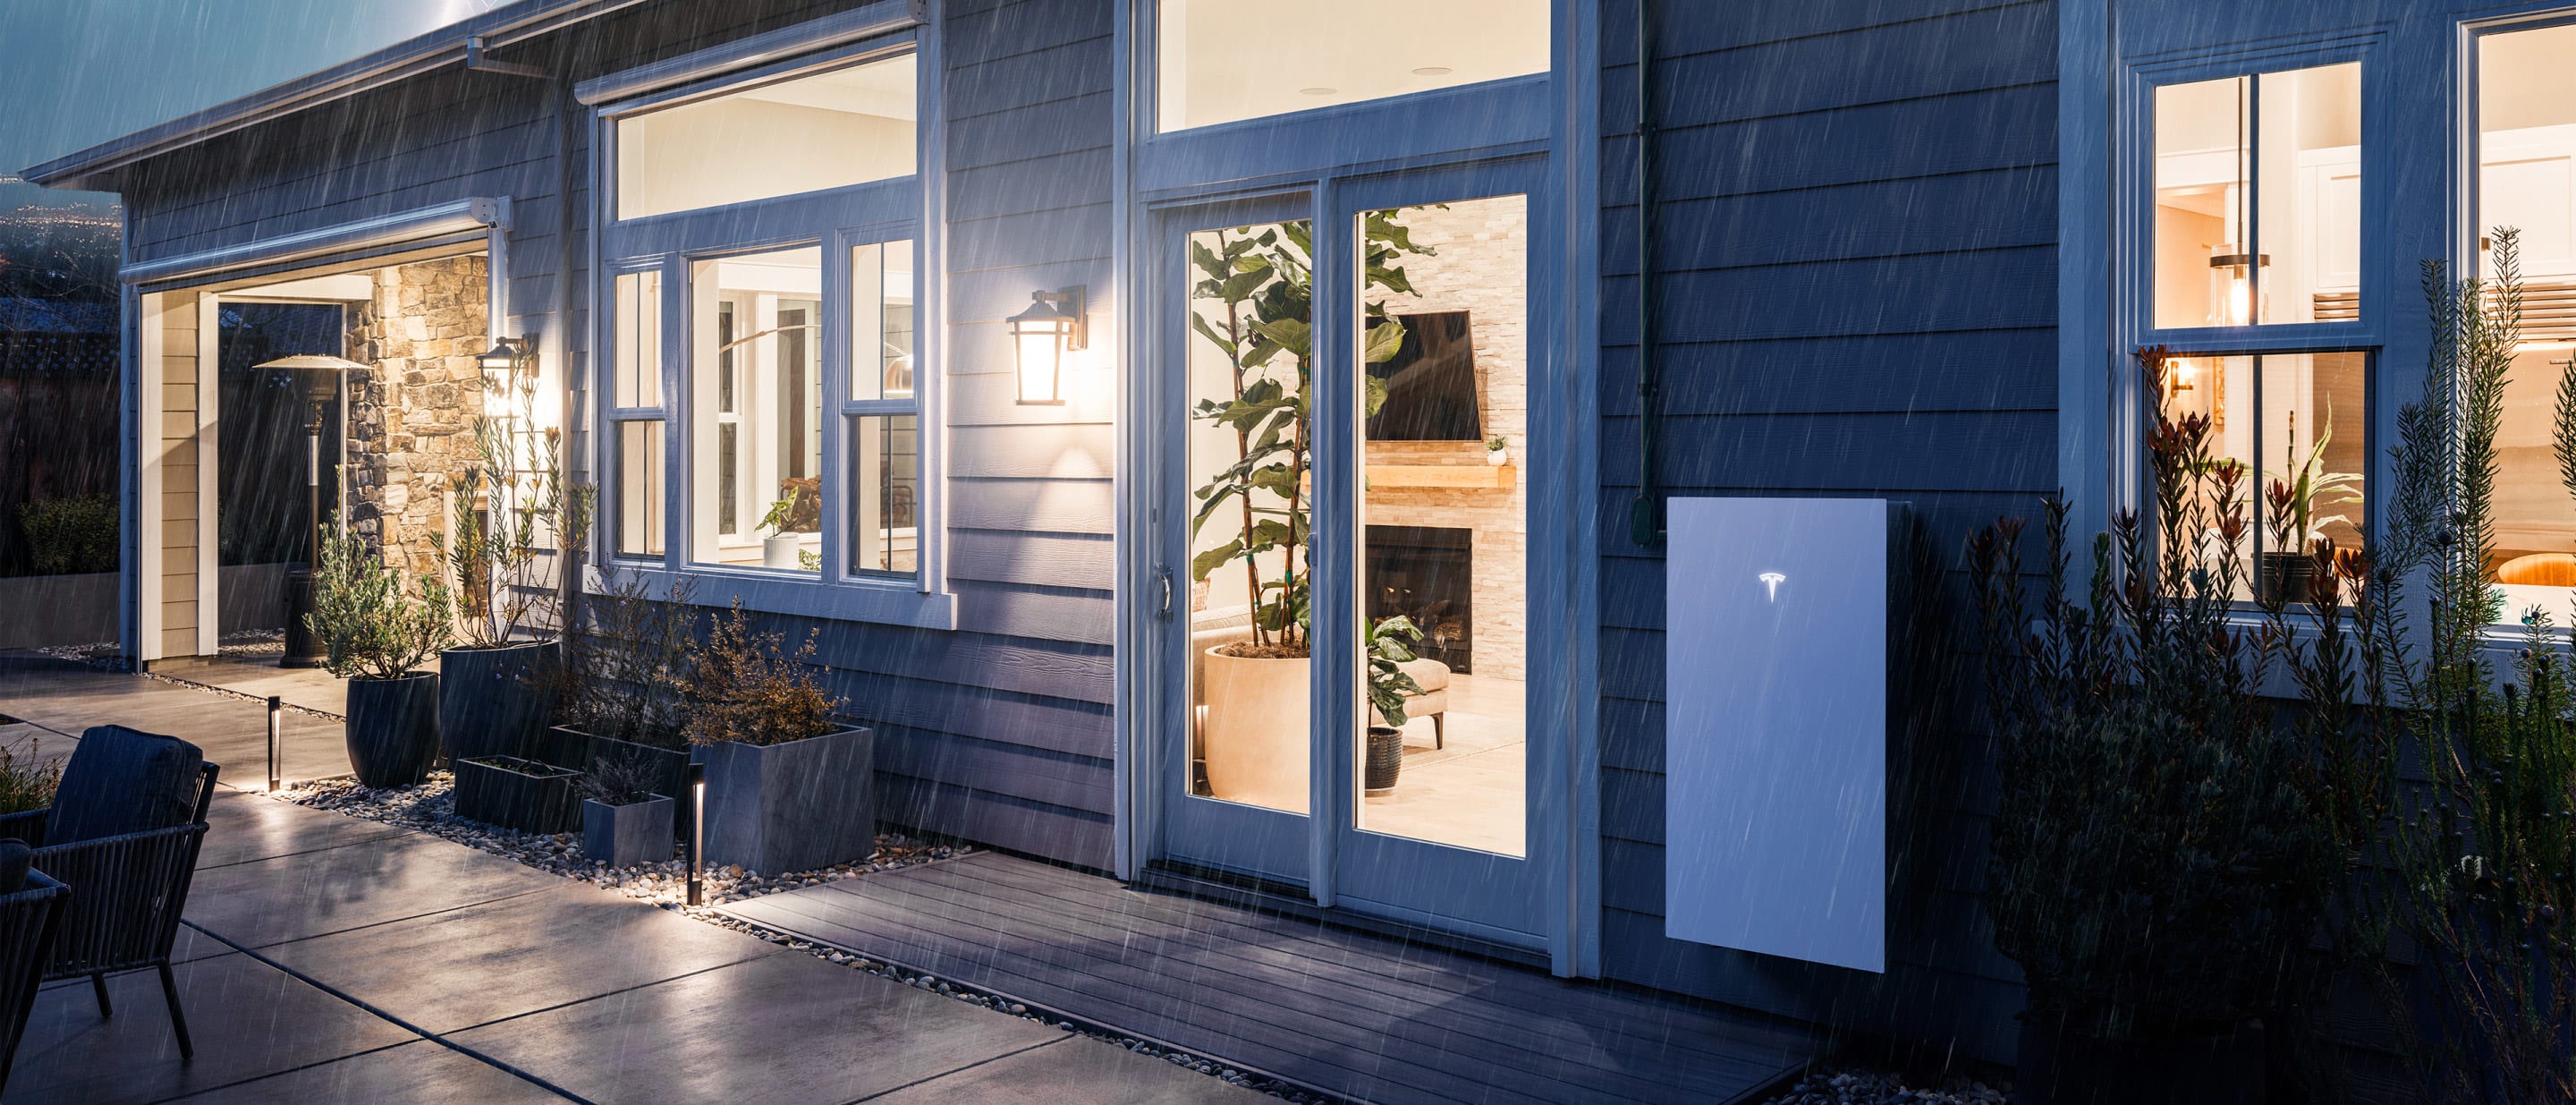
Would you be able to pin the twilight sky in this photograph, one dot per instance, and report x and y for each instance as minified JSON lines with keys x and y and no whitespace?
{"x":74,"y":73}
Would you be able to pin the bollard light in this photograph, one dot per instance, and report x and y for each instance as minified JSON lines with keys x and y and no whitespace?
{"x":697,"y":827}
{"x":276,"y":706}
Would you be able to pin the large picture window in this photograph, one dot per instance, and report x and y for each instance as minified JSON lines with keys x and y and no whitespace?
{"x":2258,"y":199}
{"x":836,"y":128}
{"x":1203,"y":76}
{"x":2527,"y":181}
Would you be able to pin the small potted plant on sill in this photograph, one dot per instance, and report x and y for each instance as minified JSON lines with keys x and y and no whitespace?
{"x":788,"y":788}
{"x":795,"y":514}
{"x":1389,"y":647}
{"x":513,"y":512}
{"x":530,"y":796}
{"x":623,"y":821}
{"x":2295,"y":505}
{"x":376,"y":634}
{"x":1498,"y":451}
{"x":623,"y":681}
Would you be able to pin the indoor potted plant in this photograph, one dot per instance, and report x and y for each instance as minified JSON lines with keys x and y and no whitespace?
{"x":1254,"y":728}
{"x":1497,"y":451}
{"x":795,"y":514}
{"x":1389,"y":647}
{"x":512,"y":511}
{"x":2297,"y":497}
{"x":623,"y":821}
{"x":531,"y":796}
{"x":787,"y":787}
{"x":376,"y":634}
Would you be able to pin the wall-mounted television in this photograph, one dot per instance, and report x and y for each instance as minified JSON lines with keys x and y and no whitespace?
{"x":1431,"y":383}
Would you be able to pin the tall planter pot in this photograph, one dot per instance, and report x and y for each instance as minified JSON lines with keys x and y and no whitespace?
{"x":1254,"y":736}
{"x":497,"y":701}
{"x":774,"y":808}
{"x":392,"y":729}
{"x":2060,"y":1066}
{"x":667,"y":769}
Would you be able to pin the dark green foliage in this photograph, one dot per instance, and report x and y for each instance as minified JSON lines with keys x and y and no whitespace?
{"x":67,"y":536}
{"x":27,"y":781}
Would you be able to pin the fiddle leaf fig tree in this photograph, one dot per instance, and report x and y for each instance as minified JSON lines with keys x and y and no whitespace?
{"x":1254,"y":302}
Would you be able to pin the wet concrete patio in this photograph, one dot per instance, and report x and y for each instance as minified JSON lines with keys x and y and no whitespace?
{"x":327,"y":958}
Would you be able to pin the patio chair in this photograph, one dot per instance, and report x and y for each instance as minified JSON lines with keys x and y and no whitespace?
{"x":31,"y":908}
{"x":123,"y":834}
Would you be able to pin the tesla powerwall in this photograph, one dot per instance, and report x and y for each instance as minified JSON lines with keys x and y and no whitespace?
{"x":1775,"y":726}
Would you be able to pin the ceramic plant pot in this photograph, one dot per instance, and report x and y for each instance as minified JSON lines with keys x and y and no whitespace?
{"x":666,"y":770}
{"x":1254,"y":735}
{"x":624,"y":836}
{"x":496,"y":701}
{"x":1384,"y":761}
{"x":780,"y":551}
{"x":392,"y":729}
{"x":797,"y":806}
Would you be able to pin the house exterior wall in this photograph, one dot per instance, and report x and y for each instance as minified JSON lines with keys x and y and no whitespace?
{"x":1855,"y":273}
{"x":411,"y":421}
{"x":177,"y":442}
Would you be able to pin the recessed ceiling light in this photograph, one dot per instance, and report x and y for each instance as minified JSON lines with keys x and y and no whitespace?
{"x":1319,"y":90}
{"x":1432,"y":71}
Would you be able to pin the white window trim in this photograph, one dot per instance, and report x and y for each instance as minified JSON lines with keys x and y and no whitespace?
{"x":664,"y":241}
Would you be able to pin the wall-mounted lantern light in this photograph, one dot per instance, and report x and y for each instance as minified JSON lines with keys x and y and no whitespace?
{"x":1051,"y":327}
{"x":505,"y":353}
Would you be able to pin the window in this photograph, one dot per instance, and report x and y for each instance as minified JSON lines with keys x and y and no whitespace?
{"x":1221,"y":61}
{"x":2258,"y":199}
{"x":2298,"y":420}
{"x":833,"y":129}
{"x":766,"y":233}
{"x":2527,"y":181}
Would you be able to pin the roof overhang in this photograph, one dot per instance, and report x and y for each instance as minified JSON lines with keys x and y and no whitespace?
{"x":456,"y":221}
{"x":502,"y":26}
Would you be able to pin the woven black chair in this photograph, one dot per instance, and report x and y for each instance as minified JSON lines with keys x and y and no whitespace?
{"x":123,"y":834}
{"x":31,"y":909}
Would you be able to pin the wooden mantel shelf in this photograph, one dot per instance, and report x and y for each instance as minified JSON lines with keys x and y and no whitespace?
{"x":1496,"y":477}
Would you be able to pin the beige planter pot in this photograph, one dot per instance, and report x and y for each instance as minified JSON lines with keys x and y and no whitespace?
{"x":1255,"y":734}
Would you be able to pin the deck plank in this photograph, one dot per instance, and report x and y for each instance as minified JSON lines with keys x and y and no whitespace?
{"x":1362,"y":1016}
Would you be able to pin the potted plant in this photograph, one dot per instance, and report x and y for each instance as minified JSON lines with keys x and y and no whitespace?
{"x":788,"y":788}
{"x":1497,"y":451}
{"x":376,"y":634}
{"x":1255,"y":727}
{"x":531,"y":796}
{"x":623,"y":678}
{"x":623,"y":821}
{"x":2297,"y":498}
{"x":779,"y":548}
{"x":513,"y":511}
{"x":1389,"y":647}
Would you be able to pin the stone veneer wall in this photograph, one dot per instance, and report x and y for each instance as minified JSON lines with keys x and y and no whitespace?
{"x":412,"y":424}
{"x":1482,"y":269}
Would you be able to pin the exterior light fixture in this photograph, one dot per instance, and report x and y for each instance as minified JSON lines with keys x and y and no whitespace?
{"x":697,"y":828}
{"x":276,"y":748}
{"x":1050,"y":327}
{"x":505,"y":353}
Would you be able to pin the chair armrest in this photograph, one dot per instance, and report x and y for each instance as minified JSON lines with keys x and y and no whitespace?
{"x":127,"y":894}
{"x":28,"y":825}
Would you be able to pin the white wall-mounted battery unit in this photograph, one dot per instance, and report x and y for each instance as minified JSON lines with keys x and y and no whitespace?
{"x":1776,"y":627}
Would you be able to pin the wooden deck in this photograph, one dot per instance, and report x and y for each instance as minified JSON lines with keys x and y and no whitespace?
{"x":1359,"y":1016}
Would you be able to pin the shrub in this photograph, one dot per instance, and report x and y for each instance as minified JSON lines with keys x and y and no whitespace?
{"x":26,"y":781}
{"x":749,"y":688}
{"x":67,"y":536}
{"x":625,"y":670}
{"x":370,"y":625}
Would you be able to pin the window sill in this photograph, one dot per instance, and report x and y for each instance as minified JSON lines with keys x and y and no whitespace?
{"x":881,"y":601}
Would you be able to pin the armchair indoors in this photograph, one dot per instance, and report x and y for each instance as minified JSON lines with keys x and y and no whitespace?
{"x":123,"y":834}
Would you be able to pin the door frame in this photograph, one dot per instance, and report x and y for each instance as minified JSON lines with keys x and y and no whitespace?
{"x":1558,"y":115}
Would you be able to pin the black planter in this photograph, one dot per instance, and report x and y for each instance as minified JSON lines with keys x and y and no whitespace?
{"x":775,"y":808}
{"x":1385,"y":759}
{"x":2289,"y":576}
{"x":392,"y":730}
{"x":665,"y":769}
{"x":513,"y":793}
{"x":497,"y":701}
{"x":623,"y":836}
{"x":2063,"y":1067}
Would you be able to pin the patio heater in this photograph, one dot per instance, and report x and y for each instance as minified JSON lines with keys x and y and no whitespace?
{"x":322,"y":379}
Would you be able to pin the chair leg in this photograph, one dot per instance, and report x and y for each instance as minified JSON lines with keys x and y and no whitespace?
{"x":98,"y":985}
{"x":178,"y":1020}
{"x":1439,"y":732}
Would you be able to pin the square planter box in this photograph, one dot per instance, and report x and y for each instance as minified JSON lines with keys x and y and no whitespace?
{"x":666,"y":770}
{"x":776,"y":808}
{"x":512,"y":793}
{"x":627,"y":835}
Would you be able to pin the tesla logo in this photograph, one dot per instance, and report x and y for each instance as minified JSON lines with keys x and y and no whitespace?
{"x":1773,"y":581}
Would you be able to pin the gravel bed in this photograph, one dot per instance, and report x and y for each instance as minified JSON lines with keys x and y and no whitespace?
{"x":1850,"y":1086}
{"x":431,"y":808}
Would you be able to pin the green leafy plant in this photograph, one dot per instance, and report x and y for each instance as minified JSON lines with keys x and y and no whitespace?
{"x":513,"y":512}
{"x":1264,"y":282}
{"x":779,"y":513}
{"x":1496,"y":444}
{"x":1389,"y":643}
{"x":370,"y":625}
{"x":70,"y":535}
{"x":749,"y":688}
{"x":2303,"y":489}
{"x":27,"y":779}
{"x":626,"y":672}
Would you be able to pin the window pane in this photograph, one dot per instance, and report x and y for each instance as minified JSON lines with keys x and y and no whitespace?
{"x":637,"y":339}
{"x":2293,"y":139}
{"x":2298,"y":421}
{"x":885,"y":534}
{"x":844,"y":127}
{"x":2527,"y":181}
{"x":1445,"y":522}
{"x":1224,"y":60}
{"x":763,"y":451}
{"x":881,"y":326}
{"x":639,"y":484}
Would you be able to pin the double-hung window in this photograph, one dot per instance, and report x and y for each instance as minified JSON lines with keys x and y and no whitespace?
{"x":2253,"y":221}
{"x":766,"y":327}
